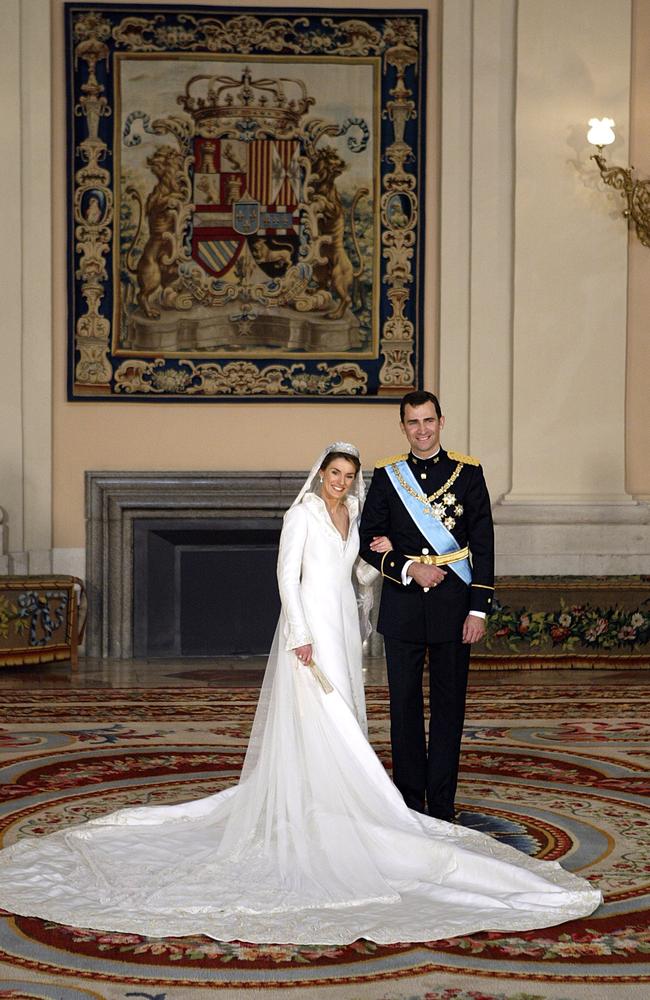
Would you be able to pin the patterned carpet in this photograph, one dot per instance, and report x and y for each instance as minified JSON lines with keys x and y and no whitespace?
{"x":558,"y":771}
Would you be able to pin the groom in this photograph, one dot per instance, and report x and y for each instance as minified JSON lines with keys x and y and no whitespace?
{"x":435,"y":508}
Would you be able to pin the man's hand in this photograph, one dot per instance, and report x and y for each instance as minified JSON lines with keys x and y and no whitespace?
{"x":426,"y":576}
{"x":473,"y":629}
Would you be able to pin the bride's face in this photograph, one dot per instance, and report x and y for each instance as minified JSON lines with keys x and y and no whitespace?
{"x":337,"y":479}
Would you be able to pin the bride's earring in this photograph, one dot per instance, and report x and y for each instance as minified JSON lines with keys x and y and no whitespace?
{"x":321,"y":480}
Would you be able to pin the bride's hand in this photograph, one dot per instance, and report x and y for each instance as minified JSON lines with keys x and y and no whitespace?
{"x":304,"y":653}
{"x":381,"y":543}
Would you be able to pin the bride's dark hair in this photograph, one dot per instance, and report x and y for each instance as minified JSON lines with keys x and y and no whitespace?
{"x":332,"y":455}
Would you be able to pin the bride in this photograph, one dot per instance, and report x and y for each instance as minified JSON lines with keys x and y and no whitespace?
{"x":315,"y":845}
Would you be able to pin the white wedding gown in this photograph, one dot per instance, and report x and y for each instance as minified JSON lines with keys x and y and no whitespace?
{"x":315,"y":844}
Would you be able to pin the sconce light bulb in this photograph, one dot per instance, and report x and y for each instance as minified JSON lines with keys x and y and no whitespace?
{"x":601,"y":131}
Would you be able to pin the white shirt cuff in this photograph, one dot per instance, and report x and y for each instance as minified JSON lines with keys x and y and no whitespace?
{"x":478,"y":614}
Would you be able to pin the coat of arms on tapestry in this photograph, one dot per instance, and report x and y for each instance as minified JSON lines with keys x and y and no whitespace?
{"x":245,"y":216}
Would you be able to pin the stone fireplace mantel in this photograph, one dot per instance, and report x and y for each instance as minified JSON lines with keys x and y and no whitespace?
{"x":115,"y":500}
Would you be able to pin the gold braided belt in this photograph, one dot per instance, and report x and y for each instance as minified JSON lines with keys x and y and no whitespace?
{"x":444,"y":560}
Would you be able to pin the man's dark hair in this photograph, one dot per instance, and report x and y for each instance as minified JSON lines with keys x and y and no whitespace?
{"x":418,"y":398}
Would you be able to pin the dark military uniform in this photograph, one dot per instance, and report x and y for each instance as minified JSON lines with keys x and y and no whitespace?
{"x":414,"y":620}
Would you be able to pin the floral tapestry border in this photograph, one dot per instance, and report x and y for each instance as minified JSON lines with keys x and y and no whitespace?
{"x":245,"y":203}
{"x":562,"y":619}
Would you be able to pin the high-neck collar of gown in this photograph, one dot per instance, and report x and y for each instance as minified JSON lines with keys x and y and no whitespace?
{"x":351,"y":502}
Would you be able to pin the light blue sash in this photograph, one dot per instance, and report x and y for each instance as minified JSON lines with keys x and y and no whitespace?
{"x":421,"y":512}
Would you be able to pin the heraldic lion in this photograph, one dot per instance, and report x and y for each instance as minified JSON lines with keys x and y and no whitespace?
{"x":336,"y":272}
{"x":156,"y":270}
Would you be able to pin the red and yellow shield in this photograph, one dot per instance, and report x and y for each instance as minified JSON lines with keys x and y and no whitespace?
{"x":246,"y":191}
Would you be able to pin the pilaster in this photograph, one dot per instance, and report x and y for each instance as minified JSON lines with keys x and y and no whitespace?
{"x":25,"y":286}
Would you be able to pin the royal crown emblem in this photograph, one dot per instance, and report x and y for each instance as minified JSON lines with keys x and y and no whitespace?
{"x":221,"y":103}
{"x":247,"y":177}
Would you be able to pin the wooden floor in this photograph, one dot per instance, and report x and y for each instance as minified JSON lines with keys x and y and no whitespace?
{"x":248,"y":672}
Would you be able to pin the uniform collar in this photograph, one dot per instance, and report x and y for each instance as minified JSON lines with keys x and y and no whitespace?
{"x":425,"y":463}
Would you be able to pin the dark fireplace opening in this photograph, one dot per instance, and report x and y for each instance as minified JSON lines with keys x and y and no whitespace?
{"x":204,"y":587}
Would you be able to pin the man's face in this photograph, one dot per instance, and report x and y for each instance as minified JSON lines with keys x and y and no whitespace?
{"x":422,"y":427}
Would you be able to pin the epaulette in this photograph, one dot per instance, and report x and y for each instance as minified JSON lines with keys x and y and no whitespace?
{"x":456,"y":456}
{"x":389,"y":461}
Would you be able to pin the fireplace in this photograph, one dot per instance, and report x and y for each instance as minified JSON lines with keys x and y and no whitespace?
{"x":160,"y":549}
{"x":204,"y":587}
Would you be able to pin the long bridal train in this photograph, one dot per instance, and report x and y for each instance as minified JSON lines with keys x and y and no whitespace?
{"x":315,"y":844}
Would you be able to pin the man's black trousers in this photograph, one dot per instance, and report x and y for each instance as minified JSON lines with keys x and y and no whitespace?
{"x":418,"y":771}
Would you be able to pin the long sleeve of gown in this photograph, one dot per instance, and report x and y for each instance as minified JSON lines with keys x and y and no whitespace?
{"x":292,"y":544}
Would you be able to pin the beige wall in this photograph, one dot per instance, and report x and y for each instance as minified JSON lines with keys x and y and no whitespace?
{"x":570,"y":276}
{"x":532,"y":253}
{"x":638,"y":348}
{"x":209,"y":435}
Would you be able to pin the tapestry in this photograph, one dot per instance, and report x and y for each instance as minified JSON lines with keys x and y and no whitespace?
{"x":245,"y":202}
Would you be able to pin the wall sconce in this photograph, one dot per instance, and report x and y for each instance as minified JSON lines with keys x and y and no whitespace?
{"x":636,"y":193}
